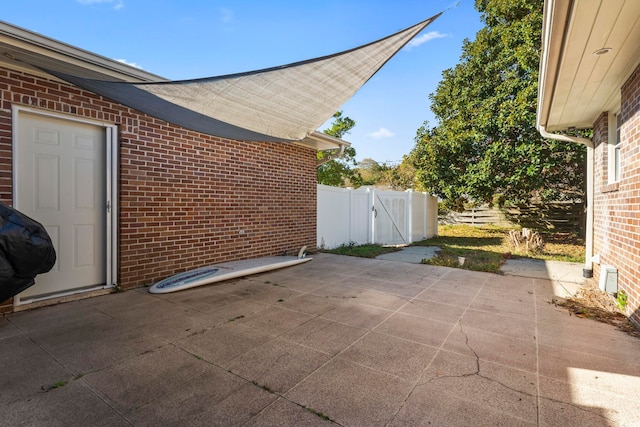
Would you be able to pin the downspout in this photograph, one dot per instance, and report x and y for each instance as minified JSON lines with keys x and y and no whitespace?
{"x":325,"y":140}
{"x":587,"y":271}
{"x":327,"y":159}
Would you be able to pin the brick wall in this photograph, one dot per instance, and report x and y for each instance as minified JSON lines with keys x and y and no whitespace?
{"x":184,"y":196}
{"x":617,"y":205}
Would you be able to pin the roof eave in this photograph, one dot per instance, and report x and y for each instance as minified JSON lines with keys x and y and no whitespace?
{"x":556,"y":13}
{"x":42,"y":47}
{"x":321,"y":141}
{"x":590,"y":48}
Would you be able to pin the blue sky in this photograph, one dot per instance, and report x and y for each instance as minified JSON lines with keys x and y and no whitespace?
{"x":182,"y":39}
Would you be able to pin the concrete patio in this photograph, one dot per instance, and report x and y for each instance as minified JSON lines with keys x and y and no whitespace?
{"x":338,"y":340}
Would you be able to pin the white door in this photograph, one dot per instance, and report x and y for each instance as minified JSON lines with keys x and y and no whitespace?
{"x":60,"y":177}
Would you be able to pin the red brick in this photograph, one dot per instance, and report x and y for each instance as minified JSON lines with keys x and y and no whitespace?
{"x":616,"y":229}
{"x":184,"y":196}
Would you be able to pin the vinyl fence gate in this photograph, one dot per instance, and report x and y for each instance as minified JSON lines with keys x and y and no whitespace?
{"x":367,"y":215}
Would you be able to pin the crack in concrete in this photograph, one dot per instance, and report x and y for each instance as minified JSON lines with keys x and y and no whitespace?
{"x":477,"y":373}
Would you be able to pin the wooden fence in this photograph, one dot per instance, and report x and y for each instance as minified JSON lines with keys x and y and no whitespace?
{"x":555,"y":216}
{"x":563,"y":217}
{"x":476,"y":216}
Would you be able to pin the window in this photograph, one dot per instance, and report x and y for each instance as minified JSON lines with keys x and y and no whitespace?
{"x":615,"y":143}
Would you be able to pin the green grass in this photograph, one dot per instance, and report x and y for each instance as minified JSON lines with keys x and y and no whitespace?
{"x":363,"y":251}
{"x":485,"y":248}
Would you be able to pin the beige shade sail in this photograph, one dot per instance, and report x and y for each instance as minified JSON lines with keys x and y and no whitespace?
{"x":285,"y":103}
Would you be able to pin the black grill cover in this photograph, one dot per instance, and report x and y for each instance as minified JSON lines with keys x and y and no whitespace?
{"x":25,"y":251}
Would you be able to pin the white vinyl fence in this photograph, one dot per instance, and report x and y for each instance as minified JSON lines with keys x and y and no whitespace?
{"x":368,"y":215}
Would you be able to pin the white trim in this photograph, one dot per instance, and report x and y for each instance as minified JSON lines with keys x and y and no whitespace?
{"x":589,"y":194}
{"x":589,"y":220}
{"x":111,"y":193}
{"x":320,"y":141}
{"x":45,"y":49}
{"x":112,"y":203}
{"x":62,"y":116}
{"x":613,"y":144}
{"x":17,"y":301}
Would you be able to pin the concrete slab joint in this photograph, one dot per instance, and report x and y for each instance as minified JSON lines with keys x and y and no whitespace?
{"x":339,"y":340}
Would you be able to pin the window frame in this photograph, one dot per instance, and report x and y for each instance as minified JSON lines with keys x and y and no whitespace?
{"x":614,"y":167}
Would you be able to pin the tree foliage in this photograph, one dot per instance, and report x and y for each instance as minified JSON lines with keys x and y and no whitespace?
{"x":339,"y":172}
{"x":402,"y":176}
{"x":398,"y":177}
{"x":485,"y":147}
{"x":370,"y":171}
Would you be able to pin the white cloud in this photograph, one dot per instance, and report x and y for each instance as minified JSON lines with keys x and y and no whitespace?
{"x":117,"y":4}
{"x":381,"y":133}
{"x":425,"y":38}
{"x":132,"y":64}
{"x":227,"y":15}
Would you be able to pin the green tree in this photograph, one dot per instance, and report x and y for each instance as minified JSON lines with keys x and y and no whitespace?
{"x":400,"y":177}
{"x":485,"y":147}
{"x":370,"y":171}
{"x":339,"y":172}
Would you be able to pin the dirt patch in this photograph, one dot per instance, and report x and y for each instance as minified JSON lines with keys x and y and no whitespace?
{"x":592,"y":303}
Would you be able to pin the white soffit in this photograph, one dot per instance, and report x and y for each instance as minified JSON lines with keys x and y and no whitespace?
{"x":321,"y":141}
{"x":576,"y":84}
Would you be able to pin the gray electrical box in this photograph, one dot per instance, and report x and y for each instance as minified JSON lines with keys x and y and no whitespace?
{"x":608,"y":279}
